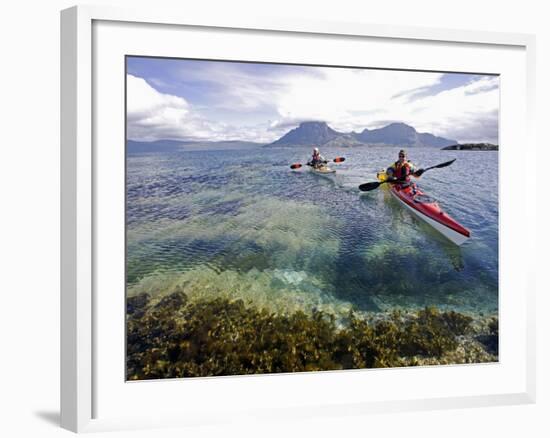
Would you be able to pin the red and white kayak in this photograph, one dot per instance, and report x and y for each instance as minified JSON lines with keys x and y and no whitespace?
{"x":430,"y":212}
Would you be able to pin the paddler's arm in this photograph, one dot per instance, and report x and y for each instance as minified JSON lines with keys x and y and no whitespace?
{"x":390,"y":175}
{"x":415,"y":172}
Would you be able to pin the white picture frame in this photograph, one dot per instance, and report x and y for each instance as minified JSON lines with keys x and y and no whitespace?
{"x":83,"y":369}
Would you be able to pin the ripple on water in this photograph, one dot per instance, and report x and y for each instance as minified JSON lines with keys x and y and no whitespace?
{"x":208,"y":218}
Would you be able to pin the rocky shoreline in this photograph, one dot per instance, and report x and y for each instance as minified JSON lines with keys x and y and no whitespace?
{"x":172,"y":336}
{"x":472,"y":147}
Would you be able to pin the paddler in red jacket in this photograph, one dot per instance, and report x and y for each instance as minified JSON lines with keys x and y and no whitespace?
{"x":317,"y":160}
{"x":401,"y":170}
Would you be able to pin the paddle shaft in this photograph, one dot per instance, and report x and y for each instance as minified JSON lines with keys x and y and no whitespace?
{"x":438,"y":166}
{"x":335,"y":160}
{"x":367,"y":187}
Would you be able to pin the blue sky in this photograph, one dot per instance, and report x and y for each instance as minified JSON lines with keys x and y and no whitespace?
{"x":213,"y":100}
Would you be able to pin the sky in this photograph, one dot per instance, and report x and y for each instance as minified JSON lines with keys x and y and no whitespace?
{"x":213,"y":100}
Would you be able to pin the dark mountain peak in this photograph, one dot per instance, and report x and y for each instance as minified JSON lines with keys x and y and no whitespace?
{"x":403,"y":124}
{"x":313,"y":123}
{"x":428,"y":139}
{"x":396,"y":134}
{"x":308,"y":133}
{"x":316,"y":128}
{"x":399,"y":127}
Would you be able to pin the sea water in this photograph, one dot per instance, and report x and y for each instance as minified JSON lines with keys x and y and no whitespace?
{"x":241,"y":224}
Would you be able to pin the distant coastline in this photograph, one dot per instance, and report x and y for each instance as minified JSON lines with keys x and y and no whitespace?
{"x":471,"y":147}
{"x":133,"y":146}
{"x":308,"y":134}
{"x":178,"y":146}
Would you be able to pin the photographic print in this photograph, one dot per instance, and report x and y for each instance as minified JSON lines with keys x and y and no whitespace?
{"x":290,"y":218}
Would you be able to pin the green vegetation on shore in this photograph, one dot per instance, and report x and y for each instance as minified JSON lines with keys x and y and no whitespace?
{"x":173,"y":337}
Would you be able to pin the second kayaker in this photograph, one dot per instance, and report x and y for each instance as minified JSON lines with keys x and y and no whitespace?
{"x":401,"y":170}
{"x":317,"y":160}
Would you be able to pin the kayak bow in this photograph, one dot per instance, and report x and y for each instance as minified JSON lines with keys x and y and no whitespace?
{"x":323,"y":170}
{"x":429,"y":211}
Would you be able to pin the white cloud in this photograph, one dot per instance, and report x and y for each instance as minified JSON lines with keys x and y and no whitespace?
{"x":144,"y":103}
{"x":347,"y":99}
{"x":355,"y":99}
{"x":239,"y":89}
{"x":152,"y":115}
{"x":459,"y":113}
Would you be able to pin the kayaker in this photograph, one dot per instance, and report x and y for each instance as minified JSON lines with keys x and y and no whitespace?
{"x":401,"y":170}
{"x":317,"y":160}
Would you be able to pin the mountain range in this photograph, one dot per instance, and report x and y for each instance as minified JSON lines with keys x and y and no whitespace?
{"x":394,"y":134}
{"x":307,"y":134}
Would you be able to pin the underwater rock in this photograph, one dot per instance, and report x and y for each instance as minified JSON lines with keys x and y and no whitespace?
{"x":490,"y":339}
{"x":490,"y":342}
{"x":137,"y":303}
{"x":173,"y":301}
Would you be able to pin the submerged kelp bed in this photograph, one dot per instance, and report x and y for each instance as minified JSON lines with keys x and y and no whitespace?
{"x":172,"y":336}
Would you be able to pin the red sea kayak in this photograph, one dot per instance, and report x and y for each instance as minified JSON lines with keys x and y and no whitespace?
{"x":430,"y":212}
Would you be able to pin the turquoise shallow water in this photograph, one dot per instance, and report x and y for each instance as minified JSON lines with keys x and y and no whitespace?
{"x":242,"y":224}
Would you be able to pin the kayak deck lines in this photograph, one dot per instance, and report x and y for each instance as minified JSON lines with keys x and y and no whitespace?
{"x":430,"y":212}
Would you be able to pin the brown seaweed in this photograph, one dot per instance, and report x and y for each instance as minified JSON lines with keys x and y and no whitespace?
{"x":174,"y":337}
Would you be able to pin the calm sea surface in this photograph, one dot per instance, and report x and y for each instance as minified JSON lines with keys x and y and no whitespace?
{"x":242,"y":224}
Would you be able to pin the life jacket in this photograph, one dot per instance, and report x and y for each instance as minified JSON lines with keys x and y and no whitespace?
{"x":402,"y":170}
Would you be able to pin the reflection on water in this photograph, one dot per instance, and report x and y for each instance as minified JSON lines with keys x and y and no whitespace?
{"x":242,"y":224}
